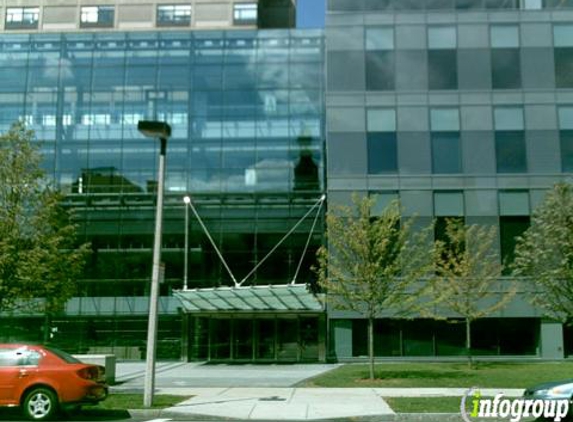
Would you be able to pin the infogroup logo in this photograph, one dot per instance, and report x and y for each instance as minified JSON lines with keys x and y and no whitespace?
{"x":474,"y":406}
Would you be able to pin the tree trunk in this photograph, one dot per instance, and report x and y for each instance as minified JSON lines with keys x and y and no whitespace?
{"x":46,"y":330}
{"x":469,"y":343}
{"x":371,"y":345}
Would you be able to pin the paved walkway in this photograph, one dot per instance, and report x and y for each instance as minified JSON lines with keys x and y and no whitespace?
{"x":266,"y":392}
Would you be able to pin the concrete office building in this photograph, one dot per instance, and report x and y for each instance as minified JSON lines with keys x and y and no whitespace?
{"x":458,"y":108}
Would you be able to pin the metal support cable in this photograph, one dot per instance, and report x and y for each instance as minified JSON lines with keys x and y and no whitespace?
{"x":213,"y":243}
{"x":307,"y":243}
{"x":319,"y":202}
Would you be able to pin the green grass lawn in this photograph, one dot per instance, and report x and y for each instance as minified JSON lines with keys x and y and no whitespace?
{"x":485,"y":375}
{"x":117,"y":401}
{"x":424,"y":404}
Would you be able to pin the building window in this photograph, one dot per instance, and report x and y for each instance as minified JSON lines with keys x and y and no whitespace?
{"x":446,"y":149}
{"x":510,"y":152}
{"x":22,"y":17}
{"x":566,"y":138}
{"x":505,"y":57}
{"x":245,"y":14}
{"x":442,"y":58}
{"x":381,"y":141}
{"x":380,"y":60}
{"x":173,"y":15}
{"x":563,"y":55}
{"x":96,"y":16}
{"x":510,"y":227}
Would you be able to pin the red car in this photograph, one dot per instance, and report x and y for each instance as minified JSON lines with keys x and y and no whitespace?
{"x":43,"y":380}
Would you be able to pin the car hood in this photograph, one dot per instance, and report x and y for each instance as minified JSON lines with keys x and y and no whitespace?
{"x":551,"y":384}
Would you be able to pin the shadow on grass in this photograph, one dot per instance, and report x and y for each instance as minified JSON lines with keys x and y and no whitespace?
{"x":386,"y":375}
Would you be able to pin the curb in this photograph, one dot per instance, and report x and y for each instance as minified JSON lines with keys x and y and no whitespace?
{"x":162,"y":413}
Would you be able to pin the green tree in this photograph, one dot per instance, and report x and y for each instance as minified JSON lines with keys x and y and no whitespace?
{"x":40,"y":260}
{"x":467,"y":276}
{"x":545,"y":253}
{"x":372,"y":265}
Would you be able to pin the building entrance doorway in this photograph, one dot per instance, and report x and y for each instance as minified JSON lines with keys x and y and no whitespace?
{"x":256,"y":338}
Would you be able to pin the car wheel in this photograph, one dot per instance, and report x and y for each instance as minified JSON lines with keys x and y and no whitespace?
{"x":40,"y":404}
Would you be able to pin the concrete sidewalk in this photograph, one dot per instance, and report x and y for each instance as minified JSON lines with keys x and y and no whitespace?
{"x":267,"y":392}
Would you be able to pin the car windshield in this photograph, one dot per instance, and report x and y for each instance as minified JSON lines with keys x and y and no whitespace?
{"x":66,"y":357}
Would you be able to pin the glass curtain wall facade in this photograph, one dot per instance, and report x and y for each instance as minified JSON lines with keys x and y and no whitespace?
{"x":458,"y":109}
{"x":247,"y":113}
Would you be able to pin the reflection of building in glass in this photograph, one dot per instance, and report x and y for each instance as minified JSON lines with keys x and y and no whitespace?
{"x":103,"y":180}
{"x":236,"y":101}
{"x":306,"y":170}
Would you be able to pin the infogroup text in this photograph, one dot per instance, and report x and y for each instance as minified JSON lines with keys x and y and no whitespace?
{"x":513,"y":409}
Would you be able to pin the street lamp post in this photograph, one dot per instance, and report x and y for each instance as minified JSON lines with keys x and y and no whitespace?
{"x":186,"y":200}
{"x":161,"y":131}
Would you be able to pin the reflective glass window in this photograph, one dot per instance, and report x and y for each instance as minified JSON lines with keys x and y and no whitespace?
{"x":563,"y":35}
{"x":508,"y":118}
{"x":566,"y":141}
{"x":380,"y":70}
{"x":382,"y":152}
{"x":557,"y":4}
{"x":504,"y":36}
{"x":245,"y":13}
{"x":445,"y":138}
{"x":96,"y":16}
{"x":442,"y":57}
{"x":379,"y":38}
{"x":22,"y":17}
{"x":468,"y":4}
{"x":381,"y":141}
{"x":442,"y":37}
{"x":510,"y":151}
{"x":442,"y":69}
{"x":381,"y":120}
{"x":446,"y":153}
{"x":505,"y":68}
{"x":563,"y":64}
{"x":173,"y":15}
{"x":345,"y":5}
{"x":505,"y":57}
{"x":510,"y":228}
{"x":445,"y":119}
{"x":566,"y":117}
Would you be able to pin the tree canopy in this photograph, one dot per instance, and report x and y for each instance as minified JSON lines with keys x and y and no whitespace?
{"x":467,"y":275}
{"x":544,"y":253}
{"x":40,"y":259}
{"x":372,"y":263}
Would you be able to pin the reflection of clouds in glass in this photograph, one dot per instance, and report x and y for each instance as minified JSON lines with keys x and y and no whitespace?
{"x":265,"y":175}
{"x":55,"y":68}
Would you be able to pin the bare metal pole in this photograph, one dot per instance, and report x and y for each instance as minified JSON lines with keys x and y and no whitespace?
{"x":149,"y":386}
{"x":186,"y":199}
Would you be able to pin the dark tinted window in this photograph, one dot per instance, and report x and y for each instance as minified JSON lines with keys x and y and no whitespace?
{"x":563,"y":66}
{"x":442,"y":69}
{"x":505,"y":72}
{"x":446,"y":152}
{"x":380,"y":70}
{"x":510,"y":227}
{"x":566,"y":137}
{"x":382,"y":153}
{"x":510,"y":151}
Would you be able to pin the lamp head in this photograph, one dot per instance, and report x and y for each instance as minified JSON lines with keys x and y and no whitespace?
{"x":154,"y":129}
